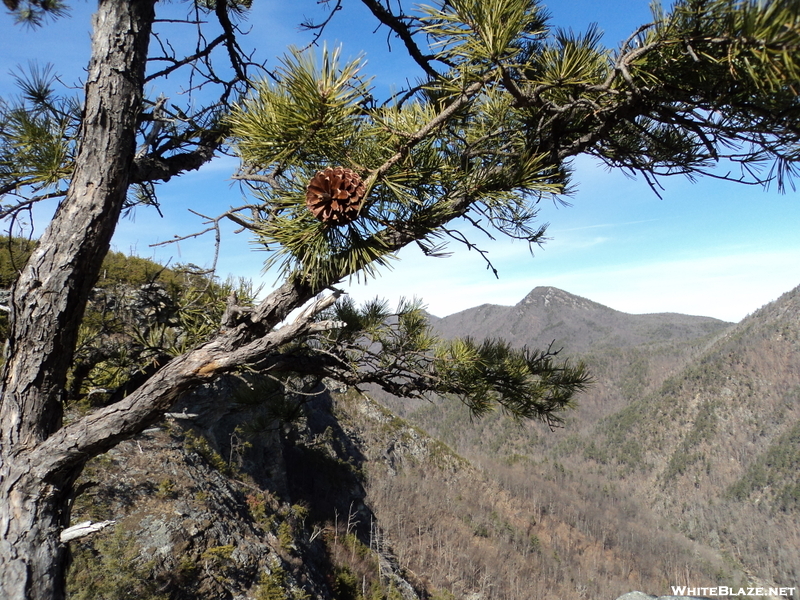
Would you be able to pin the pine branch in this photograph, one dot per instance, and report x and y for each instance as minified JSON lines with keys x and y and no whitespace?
{"x":187,"y":60}
{"x":103,"y":429}
{"x":231,"y":43}
{"x":320,"y":27}
{"x":152,"y":167}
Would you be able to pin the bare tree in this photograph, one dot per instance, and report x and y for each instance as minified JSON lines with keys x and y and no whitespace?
{"x":505,"y":102}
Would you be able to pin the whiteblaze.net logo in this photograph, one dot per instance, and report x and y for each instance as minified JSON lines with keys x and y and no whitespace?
{"x":723,"y":590}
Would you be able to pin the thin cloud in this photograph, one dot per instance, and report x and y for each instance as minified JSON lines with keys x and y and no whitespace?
{"x":603,"y":225}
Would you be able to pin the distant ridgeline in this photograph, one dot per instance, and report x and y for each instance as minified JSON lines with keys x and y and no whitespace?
{"x":118,"y":268}
{"x":139,"y":315}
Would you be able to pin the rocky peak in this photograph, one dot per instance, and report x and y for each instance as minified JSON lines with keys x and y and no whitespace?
{"x":551,"y":297}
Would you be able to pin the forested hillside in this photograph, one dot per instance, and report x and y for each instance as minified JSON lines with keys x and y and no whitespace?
{"x":140,"y":314}
{"x":718,"y":443}
{"x":696,"y":422}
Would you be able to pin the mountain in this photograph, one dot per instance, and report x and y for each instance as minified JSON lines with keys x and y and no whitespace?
{"x":628,"y":355}
{"x":548,"y":314}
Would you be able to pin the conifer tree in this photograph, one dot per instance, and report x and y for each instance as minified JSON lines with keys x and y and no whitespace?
{"x":341,"y":182}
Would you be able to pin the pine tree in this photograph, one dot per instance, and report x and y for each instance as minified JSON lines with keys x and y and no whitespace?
{"x":505,"y":102}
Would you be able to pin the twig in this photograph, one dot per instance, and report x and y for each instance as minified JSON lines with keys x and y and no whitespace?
{"x":320,"y":27}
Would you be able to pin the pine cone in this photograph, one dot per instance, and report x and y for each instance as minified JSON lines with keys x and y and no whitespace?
{"x":334,"y":195}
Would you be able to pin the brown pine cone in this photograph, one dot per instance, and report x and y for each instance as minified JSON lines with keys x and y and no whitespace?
{"x":334,"y":195}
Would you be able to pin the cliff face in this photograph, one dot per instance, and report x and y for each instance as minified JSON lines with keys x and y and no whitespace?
{"x":213,"y":504}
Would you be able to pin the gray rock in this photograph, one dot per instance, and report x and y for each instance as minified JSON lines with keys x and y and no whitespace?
{"x":209,"y":519}
{"x":636,"y":596}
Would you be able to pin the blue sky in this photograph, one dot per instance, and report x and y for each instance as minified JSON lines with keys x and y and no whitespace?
{"x":709,"y":248}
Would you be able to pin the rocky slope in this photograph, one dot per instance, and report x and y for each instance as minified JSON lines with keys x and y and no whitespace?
{"x":217,"y":502}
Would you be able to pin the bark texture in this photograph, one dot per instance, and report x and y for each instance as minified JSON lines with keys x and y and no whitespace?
{"x":48,"y":301}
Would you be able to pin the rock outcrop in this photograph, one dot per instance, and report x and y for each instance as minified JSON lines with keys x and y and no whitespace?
{"x":219,"y":502}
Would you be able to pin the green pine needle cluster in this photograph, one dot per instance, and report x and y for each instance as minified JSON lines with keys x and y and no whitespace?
{"x":526,"y":384}
{"x":482,"y":31}
{"x":38,"y":133}
{"x":307,"y":118}
{"x":415,"y":156}
{"x":34,"y":12}
{"x":757,"y":40}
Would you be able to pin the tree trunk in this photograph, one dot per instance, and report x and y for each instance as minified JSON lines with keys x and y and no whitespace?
{"x":33,"y":513}
{"x":50,"y":296}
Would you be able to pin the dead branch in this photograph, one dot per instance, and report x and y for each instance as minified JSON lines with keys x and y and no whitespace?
{"x":82,"y":530}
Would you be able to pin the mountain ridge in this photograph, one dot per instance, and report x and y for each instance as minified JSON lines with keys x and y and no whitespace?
{"x":548,"y":314}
